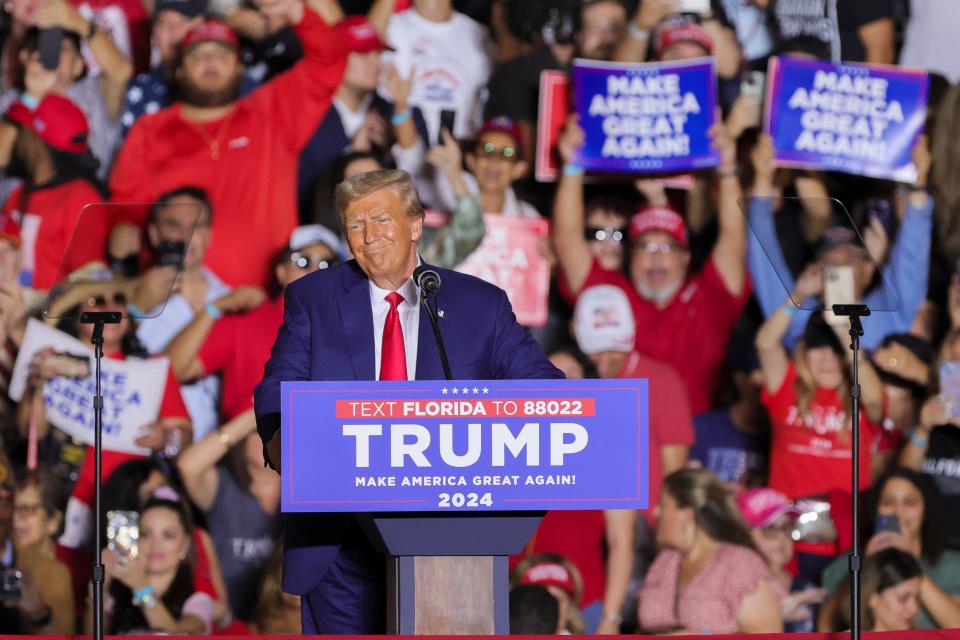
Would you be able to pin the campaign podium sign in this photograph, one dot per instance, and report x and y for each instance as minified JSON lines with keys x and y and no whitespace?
{"x":451,"y":477}
{"x":651,"y":117}
{"x":468,"y":446}
{"x":856,"y":118}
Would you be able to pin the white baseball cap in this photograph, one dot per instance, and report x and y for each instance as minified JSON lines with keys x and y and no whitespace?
{"x":603,"y":320}
{"x":309,"y":234}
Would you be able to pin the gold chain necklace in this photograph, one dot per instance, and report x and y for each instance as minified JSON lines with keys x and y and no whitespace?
{"x":214,"y":141}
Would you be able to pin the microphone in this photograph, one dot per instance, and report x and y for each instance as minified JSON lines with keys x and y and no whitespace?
{"x":427,"y":279}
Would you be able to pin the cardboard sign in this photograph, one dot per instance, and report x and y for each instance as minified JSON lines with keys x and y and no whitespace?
{"x":856,"y":118}
{"x":132,"y":390}
{"x":495,"y":445}
{"x":646,"y":118}
{"x":510,"y":258}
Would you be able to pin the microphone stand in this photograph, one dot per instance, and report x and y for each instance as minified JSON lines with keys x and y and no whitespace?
{"x":855,"y":312}
{"x":98,"y":319}
{"x":436,"y":333}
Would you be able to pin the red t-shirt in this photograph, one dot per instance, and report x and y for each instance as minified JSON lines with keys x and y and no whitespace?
{"x":238,"y":347}
{"x":810,"y":454}
{"x":670,"y":418}
{"x":691,"y":333}
{"x":49,"y":228}
{"x":252,"y":184}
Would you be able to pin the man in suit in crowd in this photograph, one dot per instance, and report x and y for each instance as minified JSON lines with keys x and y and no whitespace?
{"x":363,"y":321}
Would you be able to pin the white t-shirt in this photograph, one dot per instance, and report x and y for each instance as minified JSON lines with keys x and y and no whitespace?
{"x":451,"y":63}
{"x":930,"y":41}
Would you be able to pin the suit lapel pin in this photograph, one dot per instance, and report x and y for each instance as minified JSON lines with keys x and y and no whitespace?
{"x":439,"y":313}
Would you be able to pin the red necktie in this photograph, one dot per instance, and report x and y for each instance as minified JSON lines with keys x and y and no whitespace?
{"x":393,"y":357}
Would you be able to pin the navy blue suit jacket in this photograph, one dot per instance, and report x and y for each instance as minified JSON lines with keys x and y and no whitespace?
{"x":327,"y":334}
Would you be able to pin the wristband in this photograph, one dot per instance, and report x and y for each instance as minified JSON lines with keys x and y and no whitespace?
{"x":212,"y":311}
{"x":29,"y":101}
{"x":134,"y":311}
{"x":790,"y":310}
{"x":637,"y":33}
{"x":728,"y":173}
{"x":919,"y":441}
{"x":145,"y":597}
{"x":572,"y":170}
{"x":224,"y":438}
{"x":611,"y":616}
{"x":400,"y":117}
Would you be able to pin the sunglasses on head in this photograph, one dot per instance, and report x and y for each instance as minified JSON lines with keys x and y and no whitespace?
{"x":303,"y":261}
{"x":489,"y":150}
{"x":117,"y":299}
{"x":604,"y":234}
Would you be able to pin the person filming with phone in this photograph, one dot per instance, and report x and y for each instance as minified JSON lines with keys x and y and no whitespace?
{"x":153,"y":589}
{"x":903,"y":508}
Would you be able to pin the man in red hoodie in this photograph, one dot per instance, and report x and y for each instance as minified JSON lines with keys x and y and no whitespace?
{"x":243,"y":152}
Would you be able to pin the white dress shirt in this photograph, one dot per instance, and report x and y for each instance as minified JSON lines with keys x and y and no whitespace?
{"x":409,"y":311}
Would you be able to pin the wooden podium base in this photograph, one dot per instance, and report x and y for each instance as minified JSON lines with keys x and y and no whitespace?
{"x":448,"y":595}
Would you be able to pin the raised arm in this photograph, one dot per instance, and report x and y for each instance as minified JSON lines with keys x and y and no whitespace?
{"x":573,"y":250}
{"x":635,"y":42}
{"x":730,"y":252}
{"x":116,"y":69}
{"x":774,"y":360}
{"x":197,"y":463}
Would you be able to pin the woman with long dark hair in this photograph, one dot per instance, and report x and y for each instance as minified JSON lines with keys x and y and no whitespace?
{"x":902,"y":512}
{"x":709,"y":576}
{"x":154,"y":589}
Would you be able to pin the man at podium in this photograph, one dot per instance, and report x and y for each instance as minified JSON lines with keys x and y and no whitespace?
{"x":363,"y":320}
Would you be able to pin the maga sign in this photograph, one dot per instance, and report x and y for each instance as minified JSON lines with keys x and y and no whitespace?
{"x":855,"y":118}
{"x":469,"y":445}
{"x":646,"y":117}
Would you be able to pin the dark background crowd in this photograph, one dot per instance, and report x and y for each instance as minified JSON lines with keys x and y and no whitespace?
{"x":210,"y":135}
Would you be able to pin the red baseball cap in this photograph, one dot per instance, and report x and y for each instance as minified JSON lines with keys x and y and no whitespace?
{"x":550,"y":574}
{"x":359,"y":35}
{"x":211,"y":31}
{"x":688,"y":32}
{"x":507,"y":126}
{"x":662,"y":219}
{"x":56,"y":120}
{"x":10,"y":231}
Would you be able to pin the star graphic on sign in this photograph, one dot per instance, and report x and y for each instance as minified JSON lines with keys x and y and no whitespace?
{"x":456,"y":391}
{"x":476,"y":391}
{"x":486,"y":390}
{"x":444,"y":391}
{"x":466,"y":391}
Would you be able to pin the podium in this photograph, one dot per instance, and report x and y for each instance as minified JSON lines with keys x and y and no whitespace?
{"x":449,"y":487}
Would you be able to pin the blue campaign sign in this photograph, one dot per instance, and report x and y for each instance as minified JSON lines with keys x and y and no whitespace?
{"x":646,"y":117}
{"x":475,"y":445}
{"x":855,"y":118}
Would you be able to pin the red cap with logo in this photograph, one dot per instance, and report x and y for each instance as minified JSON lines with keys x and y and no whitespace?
{"x":210,"y":31}
{"x":359,"y":35}
{"x":56,"y":120}
{"x":662,"y":219}
{"x":671,"y":34}
{"x":550,"y":574}
{"x":507,"y":126}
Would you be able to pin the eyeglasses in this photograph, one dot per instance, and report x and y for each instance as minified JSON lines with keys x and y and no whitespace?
{"x":657,"y":247}
{"x":27,"y":509}
{"x":303,"y":261}
{"x":488,"y":149}
{"x":118,"y":299}
{"x":604,"y":234}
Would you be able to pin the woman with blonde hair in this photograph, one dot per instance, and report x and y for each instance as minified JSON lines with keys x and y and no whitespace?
{"x":708,"y":576}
